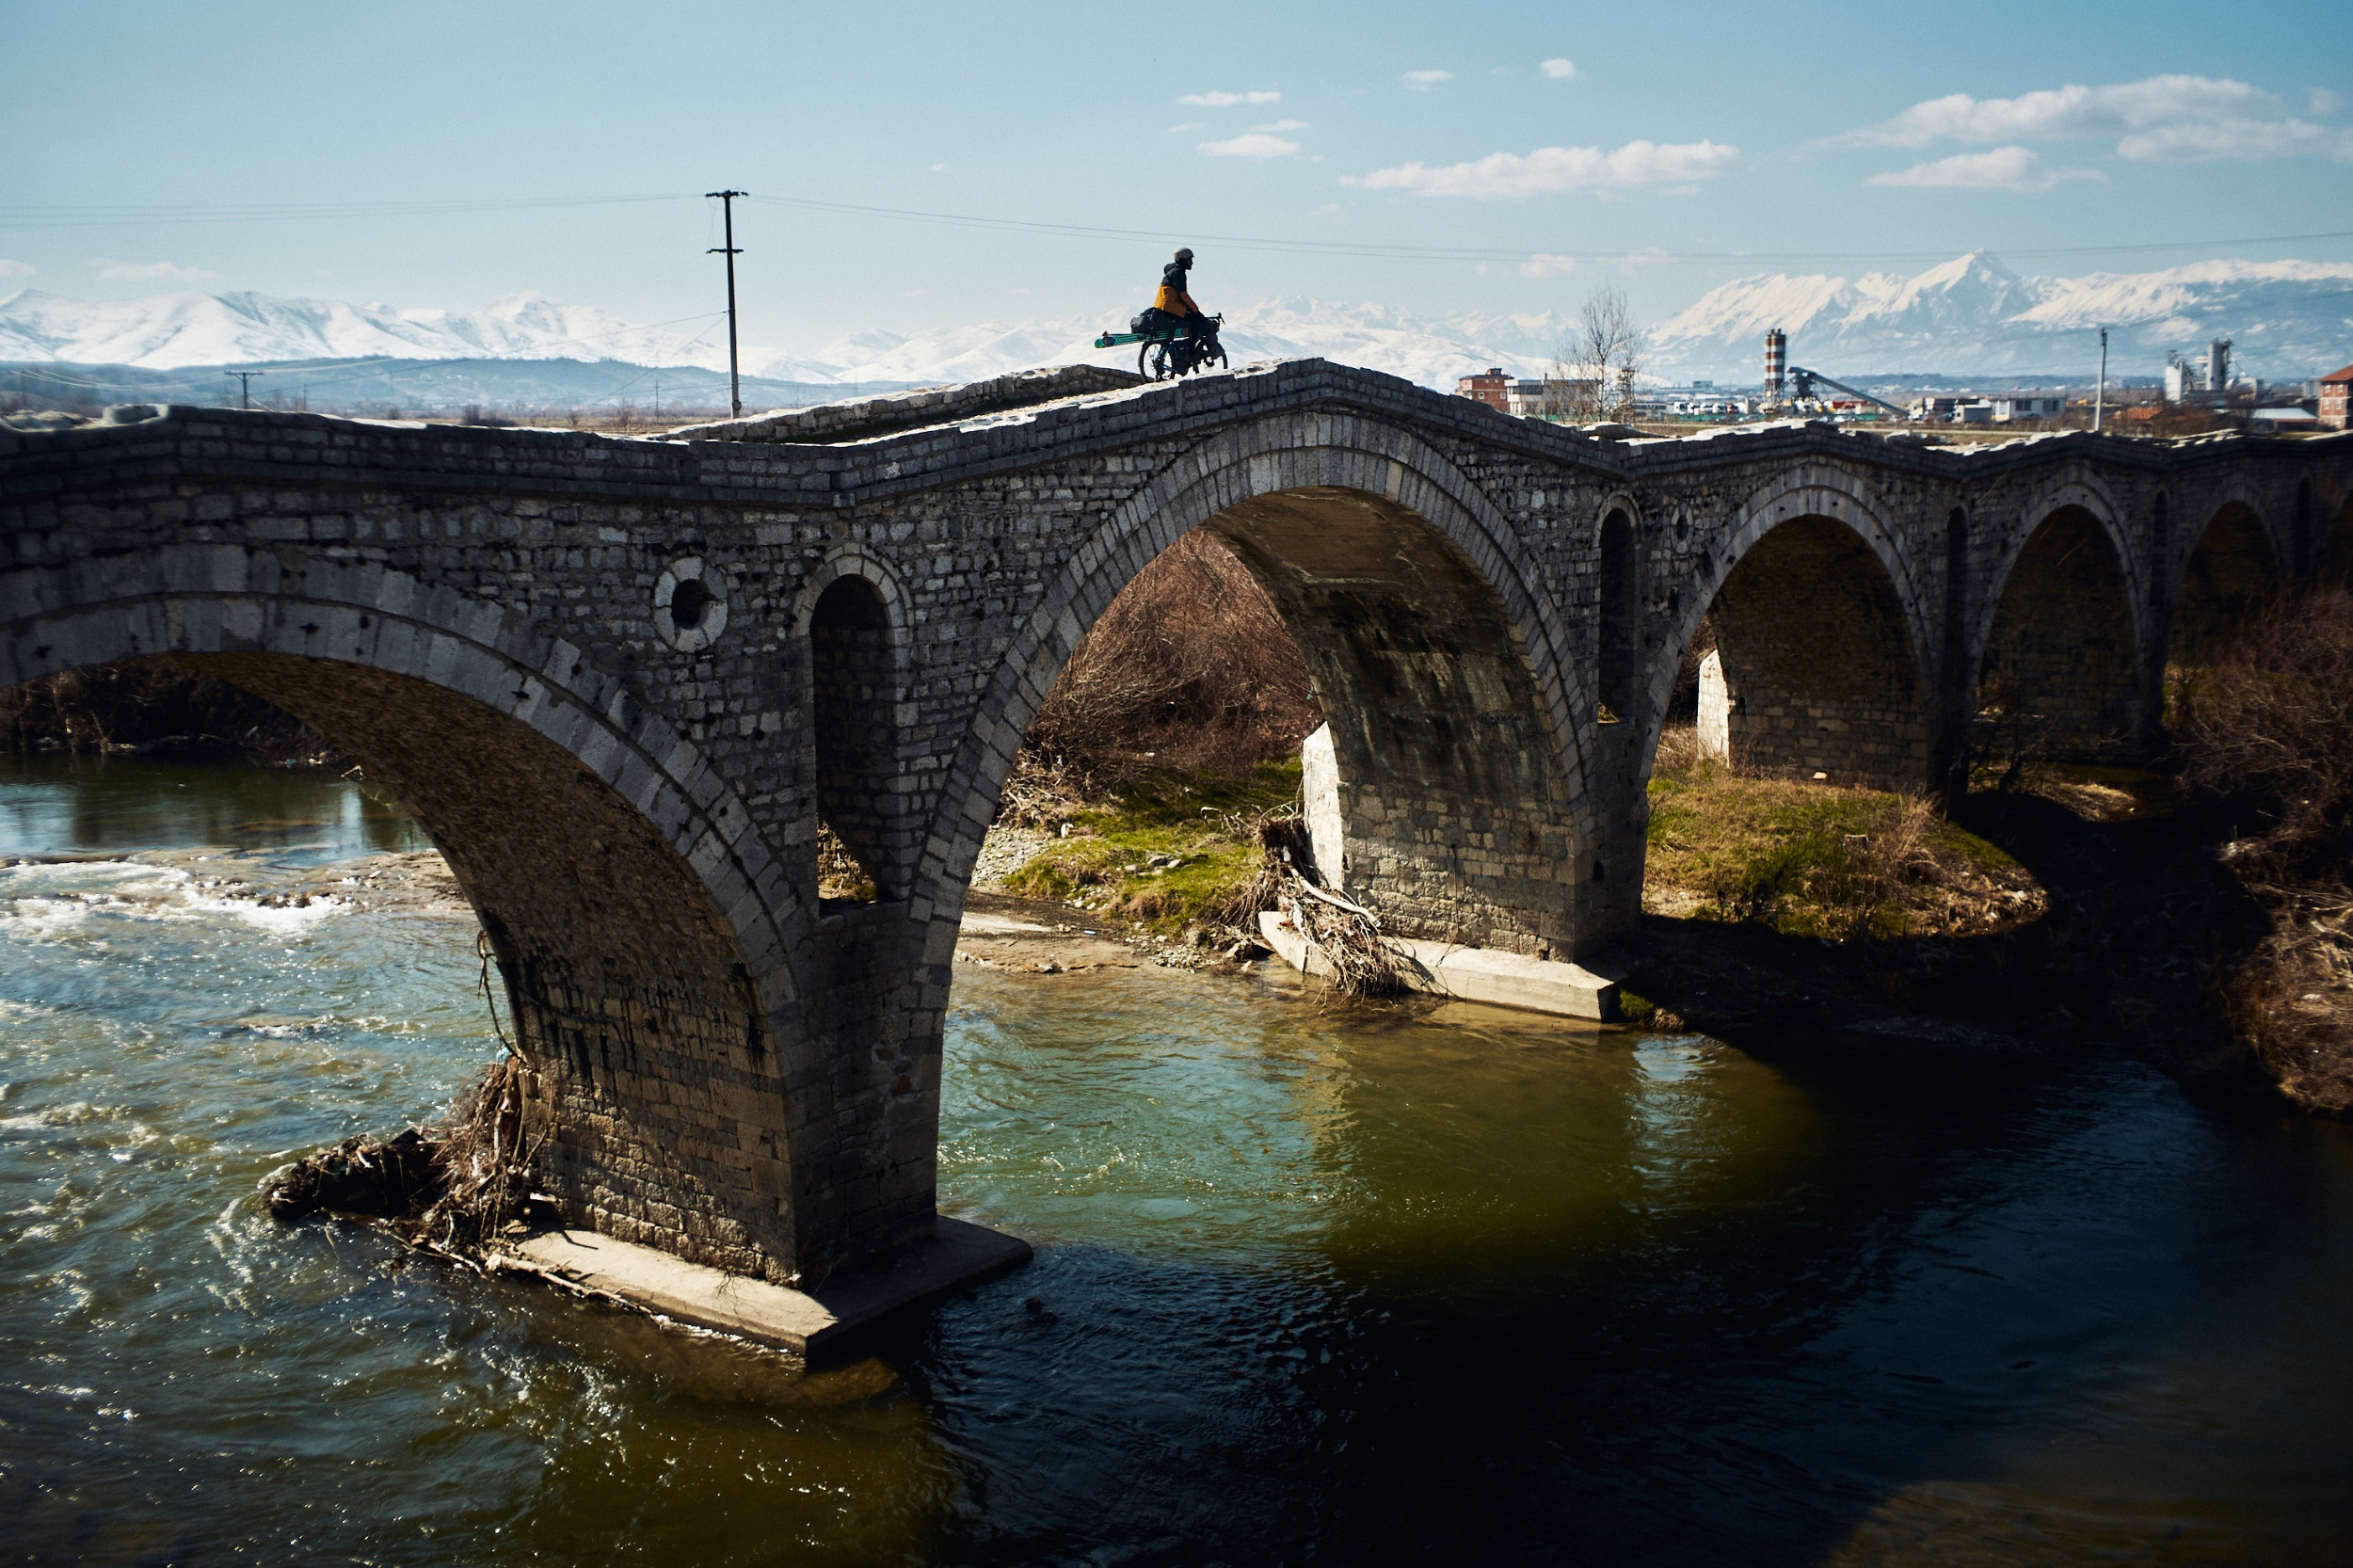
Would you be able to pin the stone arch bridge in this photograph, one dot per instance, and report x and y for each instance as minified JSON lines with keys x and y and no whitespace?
{"x":622,"y":680}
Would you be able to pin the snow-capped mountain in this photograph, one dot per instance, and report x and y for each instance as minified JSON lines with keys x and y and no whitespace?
{"x":169,"y":332}
{"x":1971,"y":315}
{"x":1433,"y":352}
{"x":166,"y":331}
{"x":1974,"y":315}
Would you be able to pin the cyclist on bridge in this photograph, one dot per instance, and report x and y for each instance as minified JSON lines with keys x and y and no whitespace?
{"x":1174,"y":303}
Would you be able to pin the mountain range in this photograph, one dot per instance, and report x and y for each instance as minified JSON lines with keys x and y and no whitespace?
{"x":1969,"y":316}
{"x":1974,"y":316}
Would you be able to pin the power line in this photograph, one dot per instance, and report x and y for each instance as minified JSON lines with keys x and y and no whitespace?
{"x":1488,"y":253}
{"x":33,"y":216}
{"x":244,"y":385}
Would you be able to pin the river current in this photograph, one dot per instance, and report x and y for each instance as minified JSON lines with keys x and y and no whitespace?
{"x":1314,"y":1283}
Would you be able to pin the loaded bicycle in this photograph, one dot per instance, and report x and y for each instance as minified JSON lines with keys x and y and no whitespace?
{"x":1177,"y":346}
{"x":1173,"y":335}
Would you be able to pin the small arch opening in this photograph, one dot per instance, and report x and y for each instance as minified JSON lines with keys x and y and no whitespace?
{"x":1619,"y":654}
{"x":853,"y":683}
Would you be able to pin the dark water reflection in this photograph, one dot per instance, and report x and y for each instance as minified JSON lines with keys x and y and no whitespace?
{"x":1314,"y":1284}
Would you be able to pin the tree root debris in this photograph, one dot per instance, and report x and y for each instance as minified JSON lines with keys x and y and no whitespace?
{"x":449,"y":1189}
{"x":1347,"y":933}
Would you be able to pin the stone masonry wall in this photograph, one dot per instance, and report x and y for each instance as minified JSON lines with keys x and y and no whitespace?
{"x":632,"y":802}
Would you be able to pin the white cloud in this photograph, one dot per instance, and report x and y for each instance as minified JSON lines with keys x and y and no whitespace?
{"x":1254,"y":144}
{"x":1559,"y":69}
{"x":2236,"y":139}
{"x":2003,"y":169}
{"x":16,"y":269}
{"x":1544,"y":264}
{"x":939,"y":168}
{"x":2071,"y":111}
{"x":1422,"y":81}
{"x":1282,"y":125}
{"x":1228,"y":99}
{"x":113,"y":271}
{"x":2323,"y":102}
{"x":2168,"y":118}
{"x":1557,"y":170}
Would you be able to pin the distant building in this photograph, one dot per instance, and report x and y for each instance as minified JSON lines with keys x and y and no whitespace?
{"x":2027,"y":406}
{"x":2288,"y":418}
{"x":1492,"y":387}
{"x":1550,"y":397}
{"x":2336,"y":393}
{"x":2200,"y":383}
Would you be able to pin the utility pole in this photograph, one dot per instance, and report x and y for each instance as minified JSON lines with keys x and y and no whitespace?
{"x":244,"y":385}
{"x":2100,"y":399}
{"x":735,"y":380}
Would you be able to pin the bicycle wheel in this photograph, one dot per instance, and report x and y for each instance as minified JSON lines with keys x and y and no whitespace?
{"x":1152,"y":361}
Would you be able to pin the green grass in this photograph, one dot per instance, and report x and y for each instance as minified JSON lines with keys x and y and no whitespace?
{"x":1207,"y":822}
{"x":1817,"y":860}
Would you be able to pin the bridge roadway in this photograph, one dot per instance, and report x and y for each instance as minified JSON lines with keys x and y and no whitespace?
{"x":621,"y":681}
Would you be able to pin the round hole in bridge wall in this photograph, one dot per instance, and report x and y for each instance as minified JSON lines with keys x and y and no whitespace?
{"x":690,"y":605}
{"x":688,"y":601}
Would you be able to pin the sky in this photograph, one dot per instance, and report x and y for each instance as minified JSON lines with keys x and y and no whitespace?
{"x":1437,"y":159}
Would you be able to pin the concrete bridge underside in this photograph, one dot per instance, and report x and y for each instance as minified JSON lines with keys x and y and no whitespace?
{"x":621,"y":683}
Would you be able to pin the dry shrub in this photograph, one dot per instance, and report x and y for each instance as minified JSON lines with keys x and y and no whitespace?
{"x":839,"y":873}
{"x":1191,"y":666}
{"x":1678,"y":747}
{"x":1044,"y":792}
{"x":2265,"y":733}
{"x":2265,"y":729}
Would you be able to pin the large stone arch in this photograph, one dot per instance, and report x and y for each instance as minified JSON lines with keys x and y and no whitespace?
{"x":2053,"y":659}
{"x":644,"y":932}
{"x":2234,"y":560}
{"x":1792,"y":711}
{"x":1389,"y":564}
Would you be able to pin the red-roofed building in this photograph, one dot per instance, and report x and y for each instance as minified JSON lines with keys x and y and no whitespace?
{"x":1493,"y":389}
{"x":2336,"y":398}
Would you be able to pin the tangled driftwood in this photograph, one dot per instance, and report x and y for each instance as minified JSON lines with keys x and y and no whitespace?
{"x":1346,"y":933}
{"x":453,"y":1184}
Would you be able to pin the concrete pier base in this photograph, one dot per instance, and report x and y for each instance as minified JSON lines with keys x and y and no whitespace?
{"x":1469,"y":974}
{"x":805,"y":1321}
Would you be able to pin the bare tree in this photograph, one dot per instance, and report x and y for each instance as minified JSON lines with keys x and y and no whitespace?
{"x":1593,"y":368}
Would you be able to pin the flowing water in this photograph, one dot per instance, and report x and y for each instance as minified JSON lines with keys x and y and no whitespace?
{"x":1313,"y":1282}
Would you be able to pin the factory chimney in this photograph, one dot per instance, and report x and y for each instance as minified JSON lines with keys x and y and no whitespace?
{"x":1776,"y":364}
{"x":2219,"y":373}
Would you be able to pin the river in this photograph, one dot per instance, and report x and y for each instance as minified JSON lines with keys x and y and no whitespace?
{"x":1314,"y":1283}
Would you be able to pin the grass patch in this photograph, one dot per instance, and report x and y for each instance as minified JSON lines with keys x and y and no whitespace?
{"x":1820,"y":860}
{"x":1161,"y":848}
